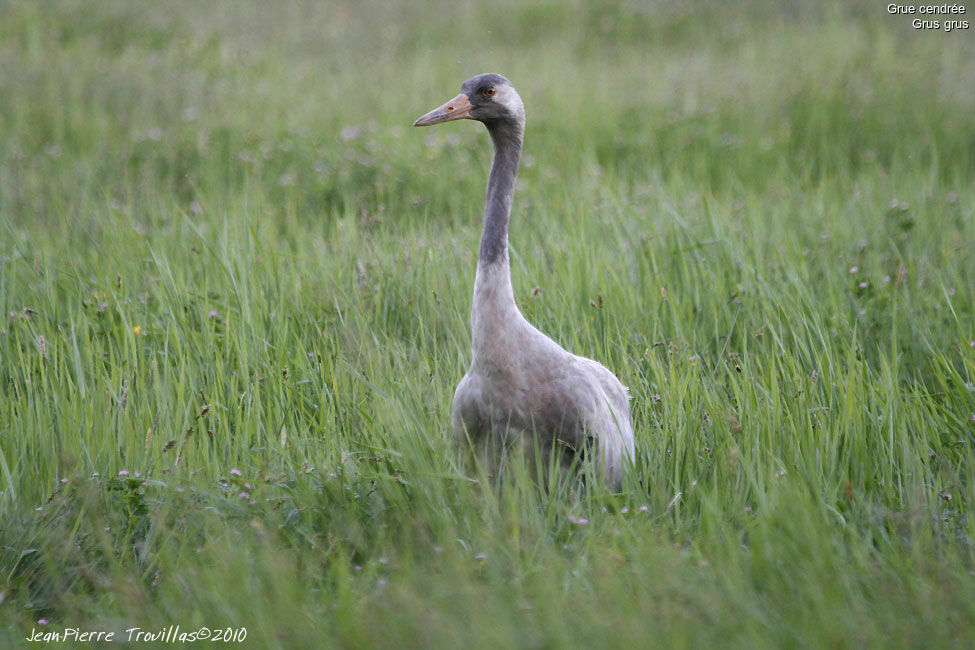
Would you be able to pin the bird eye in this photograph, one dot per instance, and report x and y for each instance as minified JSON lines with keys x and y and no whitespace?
{"x":487,"y":92}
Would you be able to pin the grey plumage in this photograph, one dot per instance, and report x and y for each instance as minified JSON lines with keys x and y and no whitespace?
{"x":522,"y":389}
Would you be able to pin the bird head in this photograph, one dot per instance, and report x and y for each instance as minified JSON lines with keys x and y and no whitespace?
{"x":488,"y":98}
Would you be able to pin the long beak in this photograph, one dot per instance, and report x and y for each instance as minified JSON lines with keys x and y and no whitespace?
{"x":456,"y":109}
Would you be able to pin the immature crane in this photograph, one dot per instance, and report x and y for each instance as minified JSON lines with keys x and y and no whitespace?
{"x":522,"y":389}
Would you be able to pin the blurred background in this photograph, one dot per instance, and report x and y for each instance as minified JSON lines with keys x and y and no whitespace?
{"x":314,"y":100}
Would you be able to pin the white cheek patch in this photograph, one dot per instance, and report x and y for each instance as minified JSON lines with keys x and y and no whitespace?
{"x":507,"y":97}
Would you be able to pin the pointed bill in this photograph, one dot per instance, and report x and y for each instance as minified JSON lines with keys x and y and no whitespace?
{"x":457,"y":108}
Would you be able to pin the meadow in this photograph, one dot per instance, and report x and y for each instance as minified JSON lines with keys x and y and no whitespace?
{"x":235,"y":289}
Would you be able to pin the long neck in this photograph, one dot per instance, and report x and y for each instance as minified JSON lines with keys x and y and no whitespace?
{"x":494,"y":303}
{"x":500,"y":190}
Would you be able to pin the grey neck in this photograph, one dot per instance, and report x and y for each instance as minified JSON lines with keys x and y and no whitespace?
{"x":493,"y":310}
{"x":507,"y":138}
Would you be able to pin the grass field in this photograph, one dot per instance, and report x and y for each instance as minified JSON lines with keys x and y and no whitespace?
{"x":235,"y":288}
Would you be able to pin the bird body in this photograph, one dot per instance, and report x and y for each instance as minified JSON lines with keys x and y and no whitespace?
{"x":523,"y":390}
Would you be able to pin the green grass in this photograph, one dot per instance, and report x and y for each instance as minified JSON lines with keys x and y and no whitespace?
{"x":222,"y":247}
